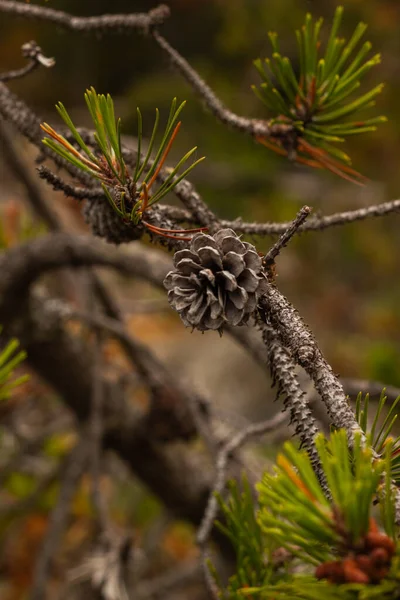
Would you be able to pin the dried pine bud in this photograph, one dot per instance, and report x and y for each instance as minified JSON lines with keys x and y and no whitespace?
{"x":216,"y":281}
{"x":352,"y":573}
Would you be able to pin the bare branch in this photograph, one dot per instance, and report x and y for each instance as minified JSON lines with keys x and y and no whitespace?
{"x":273,"y":252}
{"x":36,"y":58}
{"x":113,"y":23}
{"x":277,"y":311}
{"x":210,"y":514}
{"x":254,"y":127}
{"x":316,"y":223}
{"x":73,"y":191}
{"x":226,"y":452}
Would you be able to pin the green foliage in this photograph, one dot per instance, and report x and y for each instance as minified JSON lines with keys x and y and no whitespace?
{"x":381,"y":428}
{"x":319,"y":99}
{"x":10,"y":358}
{"x":245,"y":534}
{"x":330,"y":539}
{"x":296,"y":512}
{"x":107,"y":163}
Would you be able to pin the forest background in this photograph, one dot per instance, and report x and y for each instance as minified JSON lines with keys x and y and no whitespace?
{"x":344,"y":281}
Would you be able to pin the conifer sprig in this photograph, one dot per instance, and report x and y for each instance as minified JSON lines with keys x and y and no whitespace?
{"x":320,"y":98}
{"x":129,"y":193}
{"x":347,"y":554}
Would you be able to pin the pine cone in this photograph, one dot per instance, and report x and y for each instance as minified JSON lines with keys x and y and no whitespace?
{"x":217,"y":281}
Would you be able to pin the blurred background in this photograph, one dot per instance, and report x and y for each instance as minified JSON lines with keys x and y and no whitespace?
{"x":344,"y":281}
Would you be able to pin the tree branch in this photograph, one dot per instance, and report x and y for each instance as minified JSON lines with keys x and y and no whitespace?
{"x":254,"y":127}
{"x":36,"y":58}
{"x":316,"y":223}
{"x":113,"y":23}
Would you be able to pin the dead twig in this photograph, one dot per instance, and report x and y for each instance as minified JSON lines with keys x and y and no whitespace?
{"x":254,"y":127}
{"x":226,"y":452}
{"x":317,"y":223}
{"x":36,"y":58}
{"x":113,"y":23}
{"x":273,"y":252}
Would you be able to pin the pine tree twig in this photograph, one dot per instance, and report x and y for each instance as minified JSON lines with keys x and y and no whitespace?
{"x":111,"y":23}
{"x":194,"y":203}
{"x":75,"y":466}
{"x":72,"y":191}
{"x":276,"y":310}
{"x":273,"y":252}
{"x":177,"y":214}
{"x":316,"y":223}
{"x":222,"y":460}
{"x":254,"y":127}
{"x":36,"y":58}
{"x":221,"y":464}
{"x":283,"y":372}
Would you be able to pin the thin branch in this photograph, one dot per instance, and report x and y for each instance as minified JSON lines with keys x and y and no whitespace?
{"x":210,"y":514}
{"x":112,"y":23}
{"x":316,"y":223}
{"x":254,"y":127}
{"x":72,"y":191}
{"x":36,"y":58}
{"x":76,"y":463}
{"x":224,"y":455}
{"x":273,"y":252}
{"x":194,"y":203}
